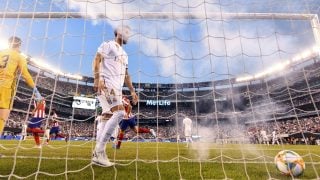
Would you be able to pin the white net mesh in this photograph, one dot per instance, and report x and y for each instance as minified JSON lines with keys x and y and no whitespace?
{"x":237,"y":69}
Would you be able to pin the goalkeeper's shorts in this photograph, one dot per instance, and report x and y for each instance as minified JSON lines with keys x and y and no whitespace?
{"x":6,"y":97}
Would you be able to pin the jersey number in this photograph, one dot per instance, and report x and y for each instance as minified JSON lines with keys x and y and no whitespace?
{"x":4,"y":61}
{"x":110,"y":96}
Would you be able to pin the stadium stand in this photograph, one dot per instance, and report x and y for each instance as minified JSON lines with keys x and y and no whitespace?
{"x":224,"y":105}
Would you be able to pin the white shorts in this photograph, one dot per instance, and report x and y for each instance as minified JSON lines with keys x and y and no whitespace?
{"x":187,"y":132}
{"x":109,"y":98}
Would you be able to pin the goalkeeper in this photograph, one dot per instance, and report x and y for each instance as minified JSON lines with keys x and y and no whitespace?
{"x":11,"y":62}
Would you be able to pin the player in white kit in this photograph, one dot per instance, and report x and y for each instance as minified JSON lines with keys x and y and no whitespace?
{"x":187,"y":123}
{"x":264,"y":137}
{"x":110,"y":68}
{"x":24,"y":131}
{"x":100,"y":126}
{"x":275,"y":137}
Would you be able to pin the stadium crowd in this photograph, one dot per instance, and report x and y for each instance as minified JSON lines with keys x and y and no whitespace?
{"x":288,"y":131}
{"x":292,"y":131}
{"x":278,"y":97}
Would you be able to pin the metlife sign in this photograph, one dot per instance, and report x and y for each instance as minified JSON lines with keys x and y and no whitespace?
{"x":158,"y":103}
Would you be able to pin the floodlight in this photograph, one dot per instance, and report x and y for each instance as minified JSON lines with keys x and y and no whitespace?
{"x":3,"y":44}
{"x":73,"y":76}
{"x":42,"y":64}
{"x":296,"y":58}
{"x":278,"y":67}
{"x":259,"y":75}
{"x":245,"y":78}
{"x":306,"y":54}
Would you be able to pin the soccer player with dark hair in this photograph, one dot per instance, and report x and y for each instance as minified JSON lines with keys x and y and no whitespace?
{"x":12,"y":62}
{"x":110,"y":68}
{"x":129,"y":120}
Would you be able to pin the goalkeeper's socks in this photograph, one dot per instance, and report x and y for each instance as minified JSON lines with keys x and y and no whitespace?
{"x":1,"y":125}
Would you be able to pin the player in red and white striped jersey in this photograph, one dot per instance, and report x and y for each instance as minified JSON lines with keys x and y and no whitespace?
{"x":55,"y":131}
{"x":34,"y":125}
{"x":40,"y":111}
{"x":131,"y":121}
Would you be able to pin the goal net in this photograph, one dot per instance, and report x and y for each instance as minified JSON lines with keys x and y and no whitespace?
{"x":245,"y":72}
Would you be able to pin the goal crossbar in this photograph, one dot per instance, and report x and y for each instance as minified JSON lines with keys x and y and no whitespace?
{"x":313,"y":18}
{"x":160,"y":15}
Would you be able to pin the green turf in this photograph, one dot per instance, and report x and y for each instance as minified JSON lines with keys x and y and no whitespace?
{"x":150,"y":161}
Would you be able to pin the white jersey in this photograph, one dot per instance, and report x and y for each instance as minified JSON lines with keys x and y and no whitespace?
{"x":114,"y":64}
{"x":275,"y":138}
{"x":274,"y":135}
{"x":187,"y":122}
{"x":263,"y":133}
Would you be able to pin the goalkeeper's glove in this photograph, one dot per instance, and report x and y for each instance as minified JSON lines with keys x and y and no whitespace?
{"x":37,"y":94}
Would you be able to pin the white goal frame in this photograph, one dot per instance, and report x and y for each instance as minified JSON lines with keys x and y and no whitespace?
{"x":127,"y":16}
{"x":313,"y":18}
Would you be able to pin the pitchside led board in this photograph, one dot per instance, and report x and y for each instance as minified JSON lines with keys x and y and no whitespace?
{"x":84,"y":103}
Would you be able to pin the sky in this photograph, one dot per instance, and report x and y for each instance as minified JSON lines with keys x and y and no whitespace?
{"x":164,"y":50}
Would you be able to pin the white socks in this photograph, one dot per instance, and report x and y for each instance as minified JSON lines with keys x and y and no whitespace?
{"x":100,"y":127}
{"x":103,"y":134}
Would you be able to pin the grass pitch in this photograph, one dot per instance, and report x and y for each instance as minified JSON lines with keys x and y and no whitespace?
{"x":150,"y":161}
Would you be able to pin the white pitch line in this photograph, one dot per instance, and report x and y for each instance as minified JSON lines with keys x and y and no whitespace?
{"x":210,"y":148}
{"x":150,"y":161}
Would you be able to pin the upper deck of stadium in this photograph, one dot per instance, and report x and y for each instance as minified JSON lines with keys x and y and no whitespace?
{"x":295,"y":88}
